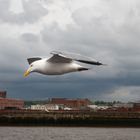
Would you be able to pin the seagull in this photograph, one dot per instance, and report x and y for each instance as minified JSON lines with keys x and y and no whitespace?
{"x":59,"y":63}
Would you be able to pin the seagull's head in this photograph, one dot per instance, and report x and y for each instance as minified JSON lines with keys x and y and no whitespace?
{"x":35,"y":65}
{"x":32,"y":68}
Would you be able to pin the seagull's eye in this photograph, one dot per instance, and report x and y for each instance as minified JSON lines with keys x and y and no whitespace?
{"x":31,"y":65}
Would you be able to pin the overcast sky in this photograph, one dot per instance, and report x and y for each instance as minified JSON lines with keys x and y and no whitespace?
{"x":106,"y":30}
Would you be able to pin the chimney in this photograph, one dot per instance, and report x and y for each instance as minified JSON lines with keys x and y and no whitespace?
{"x":3,"y":94}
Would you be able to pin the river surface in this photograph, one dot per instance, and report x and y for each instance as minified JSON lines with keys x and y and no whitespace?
{"x":68,"y":133}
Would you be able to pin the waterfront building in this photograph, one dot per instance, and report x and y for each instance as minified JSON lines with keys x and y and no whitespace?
{"x":98,"y":107}
{"x":8,"y":103}
{"x":46,"y":107}
{"x":71,"y":103}
{"x":124,"y":105}
{"x":136,"y":107}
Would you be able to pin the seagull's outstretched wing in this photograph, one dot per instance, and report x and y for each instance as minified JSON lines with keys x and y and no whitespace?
{"x":59,"y":57}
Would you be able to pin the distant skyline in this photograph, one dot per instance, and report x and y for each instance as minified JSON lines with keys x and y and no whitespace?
{"x":105,"y":30}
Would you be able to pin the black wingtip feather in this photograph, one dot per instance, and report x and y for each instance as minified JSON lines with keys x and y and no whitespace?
{"x":90,"y":62}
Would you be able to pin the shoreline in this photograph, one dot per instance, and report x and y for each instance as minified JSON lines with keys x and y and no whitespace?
{"x":68,"y":119}
{"x":71,"y":126}
{"x":94,"y":122}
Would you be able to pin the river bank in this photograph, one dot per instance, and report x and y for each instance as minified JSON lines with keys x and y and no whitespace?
{"x":89,"y":119}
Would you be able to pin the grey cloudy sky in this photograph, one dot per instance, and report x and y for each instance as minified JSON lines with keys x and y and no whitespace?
{"x":106,"y":30}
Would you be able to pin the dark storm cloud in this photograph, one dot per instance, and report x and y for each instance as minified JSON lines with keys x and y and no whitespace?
{"x":98,"y":30}
{"x":99,"y":37}
{"x":71,"y":86}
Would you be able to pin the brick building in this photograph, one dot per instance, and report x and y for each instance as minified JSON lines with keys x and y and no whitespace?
{"x":72,"y":103}
{"x":136,"y":107}
{"x":9,"y":103}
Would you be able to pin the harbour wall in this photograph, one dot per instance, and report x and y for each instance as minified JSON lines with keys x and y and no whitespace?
{"x":67,"y":118}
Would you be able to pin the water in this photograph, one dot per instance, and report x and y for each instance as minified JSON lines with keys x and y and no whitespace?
{"x":68,"y":133}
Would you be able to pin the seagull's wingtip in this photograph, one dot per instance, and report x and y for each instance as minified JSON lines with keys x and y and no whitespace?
{"x":101,"y":64}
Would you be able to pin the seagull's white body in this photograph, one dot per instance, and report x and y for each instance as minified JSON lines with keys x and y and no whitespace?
{"x":47,"y":68}
{"x":56,"y":65}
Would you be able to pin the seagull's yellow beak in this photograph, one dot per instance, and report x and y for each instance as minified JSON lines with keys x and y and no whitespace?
{"x":27,"y":72}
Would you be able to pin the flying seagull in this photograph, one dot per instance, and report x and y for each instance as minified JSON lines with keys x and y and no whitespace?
{"x":58,"y":64}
